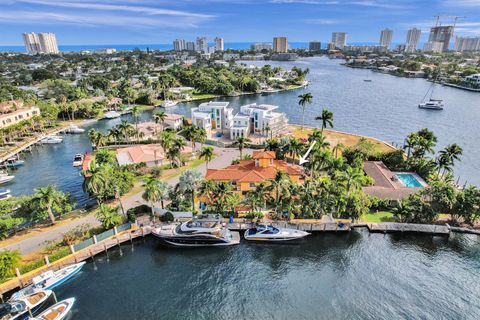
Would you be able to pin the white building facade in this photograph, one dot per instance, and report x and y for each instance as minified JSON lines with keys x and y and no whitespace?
{"x":339,"y":39}
{"x":213,"y":116}
{"x":386,"y":38}
{"x":413,"y":37}
{"x":219,"y":45}
{"x":40,"y":42}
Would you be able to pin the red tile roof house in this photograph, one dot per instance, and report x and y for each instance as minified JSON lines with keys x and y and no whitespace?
{"x":249,"y":173}
{"x":150,"y":154}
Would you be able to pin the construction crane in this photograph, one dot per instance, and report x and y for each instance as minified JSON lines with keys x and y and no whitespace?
{"x":455,"y":19}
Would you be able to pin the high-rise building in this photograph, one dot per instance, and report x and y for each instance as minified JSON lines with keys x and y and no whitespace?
{"x":190,"y":46}
{"x":467,"y":44}
{"x":262,"y":46}
{"x":219,"y":44}
{"x":179,"y":45}
{"x":280,"y":44}
{"x":314,"y":46}
{"x":386,"y":38}
{"x":441,"y":34}
{"x":40,"y":42}
{"x":339,"y":39}
{"x":201,"y":45}
{"x":413,"y":37}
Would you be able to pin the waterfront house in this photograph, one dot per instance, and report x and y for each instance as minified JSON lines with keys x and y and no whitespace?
{"x":264,"y":120}
{"x":247,"y":174}
{"x":150,"y":154}
{"x":18,"y":115}
{"x":473,"y":79}
{"x":213,"y":115}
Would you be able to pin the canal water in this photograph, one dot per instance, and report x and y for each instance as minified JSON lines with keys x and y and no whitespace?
{"x":385,"y":108}
{"x":328,"y":276}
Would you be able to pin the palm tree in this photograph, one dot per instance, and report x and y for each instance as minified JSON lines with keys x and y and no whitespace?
{"x":352,"y":177}
{"x":339,"y":146}
{"x":242,"y":143}
{"x":163,"y":191}
{"x":326,"y":118}
{"x":97,"y":138}
{"x":136,"y":111}
{"x":206,"y":153}
{"x":280,"y":187}
{"x":159,"y":117}
{"x":166,"y":140}
{"x":452,"y":152}
{"x":295,"y":147}
{"x":190,"y":181}
{"x":49,"y":197}
{"x":109,"y":217}
{"x":207,"y":189}
{"x":304,"y":99}
{"x":151,"y":193}
{"x":125,"y":128}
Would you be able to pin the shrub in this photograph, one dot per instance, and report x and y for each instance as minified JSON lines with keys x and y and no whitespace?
{"x":32,"y":266}
{"x":59,"y":254}
{"x":254,"y":214}
{"x":394,"y":160}
{"x":167,"y":217}
{"x":9,"y":260}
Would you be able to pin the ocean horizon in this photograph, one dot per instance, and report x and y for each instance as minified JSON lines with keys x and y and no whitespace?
{"x":164,"y":46}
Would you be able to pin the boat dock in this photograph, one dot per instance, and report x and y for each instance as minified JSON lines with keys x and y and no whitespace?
{"x":97,"y":247}
{"x":390,"y":227}
{"x":300,"y":225}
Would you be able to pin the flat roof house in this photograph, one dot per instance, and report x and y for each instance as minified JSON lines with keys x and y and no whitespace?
{"x":213,"y":115}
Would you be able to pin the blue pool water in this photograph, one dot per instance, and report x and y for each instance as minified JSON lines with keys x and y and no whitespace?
{"x":409,"y":180}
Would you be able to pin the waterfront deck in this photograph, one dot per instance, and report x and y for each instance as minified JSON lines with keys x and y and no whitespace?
{"x":314,"y":226}
{"x":390,"y":227}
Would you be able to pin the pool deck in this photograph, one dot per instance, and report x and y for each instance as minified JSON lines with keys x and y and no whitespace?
{"x":386,"y":185}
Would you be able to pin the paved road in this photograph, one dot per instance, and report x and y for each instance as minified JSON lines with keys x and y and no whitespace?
{"x":37,"y":242}
{"x":223,"y":158}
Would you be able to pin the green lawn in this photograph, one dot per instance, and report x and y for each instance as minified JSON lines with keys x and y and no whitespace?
{"x":202,"y":96}
{"x":381,"y":216}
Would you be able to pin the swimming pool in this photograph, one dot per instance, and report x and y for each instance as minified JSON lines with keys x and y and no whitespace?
{"x":409,"y":180}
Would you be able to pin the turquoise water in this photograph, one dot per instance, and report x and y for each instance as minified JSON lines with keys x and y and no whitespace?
{"x":356,"y":275}
{"x":409,"y":180}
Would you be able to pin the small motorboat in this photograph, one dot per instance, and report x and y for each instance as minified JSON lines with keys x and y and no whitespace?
{"x":22,"y":307}
{"x":58,"y":311}
{"x":52,"y":140}
{"x":14,"y":162}
{"x":78,"y":160}
{"x":49,"y":280}
{"x":204,"y":230}
{"x":74,"y":129}
{"x":5,"y":177}
{"x":169,"y":103}
{"x":5,"y":194}
{"x":271,"y":234}
{"x":367,"y":80}
{"x":111,"y":115}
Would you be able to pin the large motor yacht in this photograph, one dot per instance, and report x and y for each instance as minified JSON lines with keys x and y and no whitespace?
{"x":271,"y":234}
{"x":204,"y":230}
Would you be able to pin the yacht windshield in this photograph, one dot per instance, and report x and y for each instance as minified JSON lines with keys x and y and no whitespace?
{"x":267,"y":229}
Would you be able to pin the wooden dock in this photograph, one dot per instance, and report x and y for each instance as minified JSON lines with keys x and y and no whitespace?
{"x":88,"y":253}
{"x":390,"y":227}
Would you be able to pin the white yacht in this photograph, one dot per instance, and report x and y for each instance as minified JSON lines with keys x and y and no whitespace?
{"x":433,"y":104}
{"x":111,"y":115}
{"x":74,"y":129}
{"x":21,"y":307}
{"x":78,"y":160}
{"x":52,"y":140}
{"x":202,"y":231}
{"x":267,"y":233}
{"x":169,"y":103}
{"x":58,"y":311}
{"x":5,"y":194}
{"x":5,"y":177}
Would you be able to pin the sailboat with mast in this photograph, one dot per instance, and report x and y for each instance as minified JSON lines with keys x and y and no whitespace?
{"x":431,"y":103}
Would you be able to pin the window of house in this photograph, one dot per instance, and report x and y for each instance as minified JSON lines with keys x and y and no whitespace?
{"x":252,"y":185}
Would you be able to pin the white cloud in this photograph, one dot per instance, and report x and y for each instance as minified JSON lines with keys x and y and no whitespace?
{"x":323,"y":21}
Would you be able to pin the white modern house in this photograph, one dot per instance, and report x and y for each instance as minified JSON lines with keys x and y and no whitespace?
{"x":240,"y":126}
{"x":213,"y":116}
{"x":263,"y":119}
{"x":474,"y":78}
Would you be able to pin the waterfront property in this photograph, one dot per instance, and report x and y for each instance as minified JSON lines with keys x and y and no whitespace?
{"x":390,"y":185}
{"x":150,"y":154}
{"x":12,"y":117}
{"x":212,"y":116}
{"x":247,"y":174}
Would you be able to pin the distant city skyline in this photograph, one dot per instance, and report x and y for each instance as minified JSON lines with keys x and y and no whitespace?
{"x":77,"y":22}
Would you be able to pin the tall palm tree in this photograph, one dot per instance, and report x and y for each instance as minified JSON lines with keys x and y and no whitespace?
{"x":136,"y":111}
{"x":125,"y":128}
{"x":280,"y":187}
{"x":207,"y":189}
{"x":151,"y":194}
{"x":190,"y":181}
{"x":159,"y":117}
{"x":338,"y":147}
{"x":206,"y":153}
{"x":166,"y":140}
{"x":452,"y":152}
{"x":242,"y":143}
{"x":49,"y":197}
{"x":304,"y":99}
{"x":326,"y":118}
{"x":295,"y":148}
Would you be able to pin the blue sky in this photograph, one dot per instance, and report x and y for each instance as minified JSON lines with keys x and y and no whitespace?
{"x":161,"y":21}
